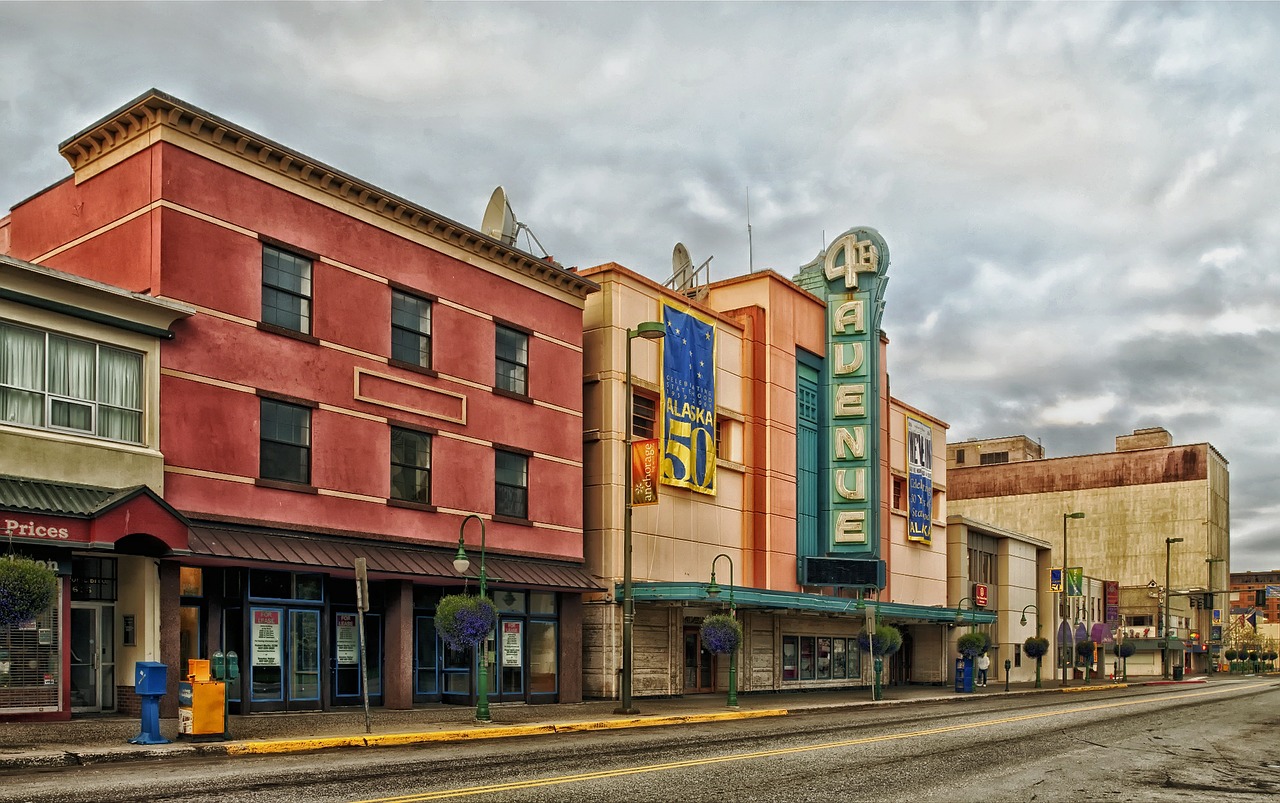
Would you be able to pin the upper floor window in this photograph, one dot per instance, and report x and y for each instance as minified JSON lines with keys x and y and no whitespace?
{"x":644,"y":416}
{"x":285,"y":449}
{"x":410,"y":466}
{"x":959,"y":457}
{"x":511,"y":489}
{"x":992,"y":458}
{"x":286,"y":289}
{"x":410,"y":329}
{"x":513,"y":361}
{"x":56,"y":382}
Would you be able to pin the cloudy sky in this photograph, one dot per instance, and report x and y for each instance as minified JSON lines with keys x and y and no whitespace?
{"x":1079,"y":199}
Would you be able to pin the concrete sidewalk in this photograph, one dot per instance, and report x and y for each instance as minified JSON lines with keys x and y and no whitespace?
{"x":91,"y":740}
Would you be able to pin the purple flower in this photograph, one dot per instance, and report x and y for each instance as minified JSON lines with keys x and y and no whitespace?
{"x":463,"y":620}
{"x":721,"y":633}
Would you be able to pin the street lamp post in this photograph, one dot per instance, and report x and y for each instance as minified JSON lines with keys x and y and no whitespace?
{"x":649,"y":330}
{"x":1069,"y":659}
{"x":1212,"y":659}
{"x":713,"y":591}
{"x":460,"y":565}
{"x":1168,"y":549}
{"x":1023,"y":622}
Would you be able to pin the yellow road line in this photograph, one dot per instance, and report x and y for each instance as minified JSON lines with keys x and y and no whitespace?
{"x":591,"y":776}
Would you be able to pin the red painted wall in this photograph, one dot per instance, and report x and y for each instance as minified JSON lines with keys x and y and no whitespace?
{"x":210,"y":424}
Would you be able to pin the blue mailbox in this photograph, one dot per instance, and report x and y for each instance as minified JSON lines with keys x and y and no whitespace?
{"x":149,"y":681}
{"x":964,"y":675}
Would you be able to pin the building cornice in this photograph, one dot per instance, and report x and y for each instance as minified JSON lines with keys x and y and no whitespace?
{"x":156,"y":116}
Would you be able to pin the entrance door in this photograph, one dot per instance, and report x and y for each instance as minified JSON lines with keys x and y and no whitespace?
{"x":93,"y":671}
{"x":699,"y":665}
{"x":900,"y":664}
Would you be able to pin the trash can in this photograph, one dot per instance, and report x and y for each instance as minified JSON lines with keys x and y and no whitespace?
{"x":1177,"y":671}
{"x":150,"y":679}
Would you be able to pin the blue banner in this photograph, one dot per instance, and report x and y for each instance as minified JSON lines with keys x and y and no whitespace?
{"x":919,"y":480}
{"x":688,"y":401}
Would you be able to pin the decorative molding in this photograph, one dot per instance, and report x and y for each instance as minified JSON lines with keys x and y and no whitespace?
{"x":456,"y":399}
{"x":155,"y":115}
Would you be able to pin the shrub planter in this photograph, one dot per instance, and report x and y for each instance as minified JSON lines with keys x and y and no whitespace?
{"x":886,"y":641}
{"x":1037,"y":648}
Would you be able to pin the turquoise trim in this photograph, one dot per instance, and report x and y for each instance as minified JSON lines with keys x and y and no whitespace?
{"x":798,"y":601}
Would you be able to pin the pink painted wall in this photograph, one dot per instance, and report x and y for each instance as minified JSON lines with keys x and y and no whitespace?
{"x":211,"y":428}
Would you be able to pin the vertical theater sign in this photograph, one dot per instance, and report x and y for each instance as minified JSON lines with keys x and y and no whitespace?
{"x":850,"y":276}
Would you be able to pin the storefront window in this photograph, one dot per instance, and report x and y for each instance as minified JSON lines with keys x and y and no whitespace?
{"x":30,"y":663}
{"x":790,"y":658}
{"x":509,"y":601}
{"x":542,"y":657}
{"x":824,"y":658}
{"x":425,"y":656}
{"x":839,"y":660}
{"x":191,"y":581}
{"x":806,"y":657}
{"x":542,"y":602}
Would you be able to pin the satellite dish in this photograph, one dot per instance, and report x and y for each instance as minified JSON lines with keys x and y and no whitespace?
{"x":681,"y":267}
{"x":499,"y":221}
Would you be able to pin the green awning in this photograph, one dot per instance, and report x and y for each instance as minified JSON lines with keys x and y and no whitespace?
{"x":798,"y":601}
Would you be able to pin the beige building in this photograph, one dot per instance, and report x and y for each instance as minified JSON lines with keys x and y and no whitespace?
{"x":1144,"y":502}
{"x":81,"y":476}
{"x":762,"y":529}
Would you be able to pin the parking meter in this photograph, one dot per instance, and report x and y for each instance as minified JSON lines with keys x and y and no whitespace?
{"x":233,"y":665}
{"x":1007,"y":666}
{"x":219,"y":666}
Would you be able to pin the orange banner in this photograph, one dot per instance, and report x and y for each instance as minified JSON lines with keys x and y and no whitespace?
{"x":644,"y":472}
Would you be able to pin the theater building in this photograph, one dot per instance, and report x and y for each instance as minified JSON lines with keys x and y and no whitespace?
{"x":787,"y":470}
{"x":352,"y":376}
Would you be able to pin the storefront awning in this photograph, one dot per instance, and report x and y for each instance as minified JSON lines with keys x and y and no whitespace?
{"x":798,"y":601}
{"x":295,"y":551}
{"x":133,"y":520}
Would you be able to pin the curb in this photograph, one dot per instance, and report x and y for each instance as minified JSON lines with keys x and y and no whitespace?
{"x":276,"y":746}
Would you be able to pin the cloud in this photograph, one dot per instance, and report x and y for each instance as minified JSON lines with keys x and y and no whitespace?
{"x":1078,"y":198}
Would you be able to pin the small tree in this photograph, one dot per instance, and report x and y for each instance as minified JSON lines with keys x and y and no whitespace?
{"x":1037,"y":648}
{"x":1085,"y":652}
{"x":1124,"y":649}
{"x":27,"y":588}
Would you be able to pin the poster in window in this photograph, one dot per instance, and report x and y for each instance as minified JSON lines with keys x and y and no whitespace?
{"x":266,"y":638}
{"x":346,"y":641}
{"x":688,"y":401}
{"x":512,"y":644}
{"x":919,"y":481}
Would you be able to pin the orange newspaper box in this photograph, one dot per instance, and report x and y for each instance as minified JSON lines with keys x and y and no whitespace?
{"x":201,"y":702}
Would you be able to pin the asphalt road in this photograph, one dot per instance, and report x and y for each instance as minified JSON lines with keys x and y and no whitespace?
{"x":1213,"y":742}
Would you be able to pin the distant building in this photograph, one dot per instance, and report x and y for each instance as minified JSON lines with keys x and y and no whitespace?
{"x":1250,"y":588}
{"x":1132,"y":500}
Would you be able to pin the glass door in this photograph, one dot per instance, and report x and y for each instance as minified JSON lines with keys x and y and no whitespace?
{"x":698,"y":663}
{"x":304,"y":660}
{"x":93,"y":675}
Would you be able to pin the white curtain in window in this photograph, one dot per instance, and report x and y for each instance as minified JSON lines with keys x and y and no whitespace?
{"x":71,"y":367}
{"x":21,"y":370}
{"x":119,"y":394}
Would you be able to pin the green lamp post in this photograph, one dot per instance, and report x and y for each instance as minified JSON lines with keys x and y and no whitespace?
{"x":713,"y":591}
{"x":1023,"y":622}
{"x":460,"y":565}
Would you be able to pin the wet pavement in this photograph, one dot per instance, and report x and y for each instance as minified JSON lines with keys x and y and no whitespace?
{"x":96,"y":739}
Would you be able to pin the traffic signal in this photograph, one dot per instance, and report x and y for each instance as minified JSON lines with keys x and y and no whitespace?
{"x":1208,"y":602}
{"x":1260,"y":597}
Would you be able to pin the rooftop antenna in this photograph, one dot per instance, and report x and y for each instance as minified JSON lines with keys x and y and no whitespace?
{"x":751,"y":259}
{"x":500,"y":223}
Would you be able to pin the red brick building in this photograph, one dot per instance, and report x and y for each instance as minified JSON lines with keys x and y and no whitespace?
{"x":360,"y":375}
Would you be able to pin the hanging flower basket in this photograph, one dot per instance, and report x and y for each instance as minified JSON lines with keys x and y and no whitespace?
{"x":1036,"y":647}
{"x":1084,"y":652}
{"x":1125,"y":649}
{"x":971,"y":645}
{"x":887,"y":641}
{"x":27,"y":588}
{"x":462,"y":620}
{"x":721,"y":633}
